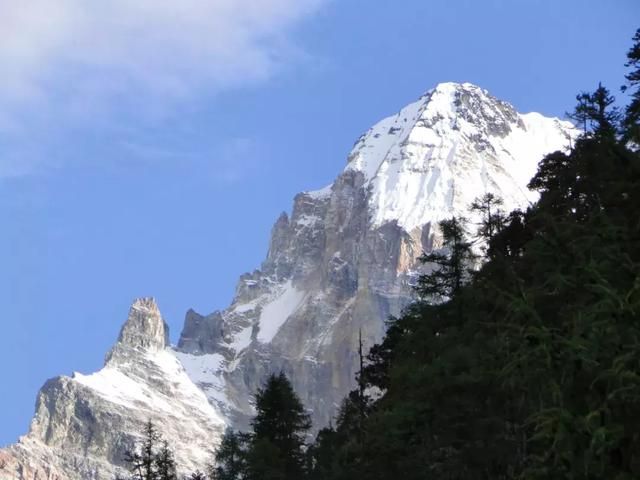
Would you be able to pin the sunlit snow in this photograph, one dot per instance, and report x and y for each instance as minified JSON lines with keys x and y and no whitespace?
{"x":423,"y":164}
{"x":275,"y":313}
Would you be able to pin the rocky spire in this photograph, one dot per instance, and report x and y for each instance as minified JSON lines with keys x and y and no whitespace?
{"x":144,"y":330}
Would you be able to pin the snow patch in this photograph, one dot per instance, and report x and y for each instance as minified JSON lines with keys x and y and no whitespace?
{"x":116,"y":387}
{"x":275,"y":313}
{"x":131,"y":390}
{"x":307,"y":220}
{"x":207,"y":372}
{"x":242,"y":339}
{"x":321,"y":193}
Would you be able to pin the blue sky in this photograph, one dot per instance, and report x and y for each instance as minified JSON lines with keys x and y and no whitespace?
{"x":147,"y":147}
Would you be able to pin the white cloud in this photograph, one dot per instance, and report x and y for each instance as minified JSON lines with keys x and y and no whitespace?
{"x":162,"y":47}
{"x":99,"y":63}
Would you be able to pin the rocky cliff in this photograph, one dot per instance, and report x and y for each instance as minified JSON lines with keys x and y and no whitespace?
{"x":340,"y":263}
{"x":84,"y":423}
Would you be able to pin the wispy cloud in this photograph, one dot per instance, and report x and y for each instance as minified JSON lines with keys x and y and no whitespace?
{"x":69,"y":60}
{"x":162,"y":46}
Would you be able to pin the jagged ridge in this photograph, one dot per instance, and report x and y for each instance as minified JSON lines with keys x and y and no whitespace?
{"x":341,"y":263}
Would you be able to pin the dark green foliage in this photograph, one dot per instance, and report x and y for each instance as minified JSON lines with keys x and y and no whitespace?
{"x":595,"y":112}
{"x":631,"y":122}
{"x":231,"y":462}
{"x":275,"y":449}
{"x":279,"y":430}
{"x":492,"y":218}
{"x":580,"y":113}
{"x":323,"y":455}
{"x":451,"y":266}
{"x":265,"y":461}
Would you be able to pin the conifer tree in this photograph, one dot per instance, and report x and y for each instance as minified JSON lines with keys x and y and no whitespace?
{"x":596,"y":112}
{"x":152,"y":459}
{"x":451,"y":269}
{"x":323,"y":455}
{"x":581,"y":113}
{"x":631,"y":121}
{"x":165,"y":464}
{"x":279,"y":429}
{"x":492,"y":218}
{"x":231,"y":457}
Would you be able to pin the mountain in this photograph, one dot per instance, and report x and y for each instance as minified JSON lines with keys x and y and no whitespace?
{"x":340,"y":264}
{"x":84,"y":424}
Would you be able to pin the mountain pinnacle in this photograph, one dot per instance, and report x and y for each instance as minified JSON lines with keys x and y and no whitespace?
{"x":144,"y":329}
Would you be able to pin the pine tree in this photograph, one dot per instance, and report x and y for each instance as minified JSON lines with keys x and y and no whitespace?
{"x":323,"y":455}
{"x":198,"y":475}
{"x":631,"y":121}
{"x":581,"y":113}
{"x":265,"y":461}
{"x":596,"y":113}
{"x":142,"y":462}
{"x":492,"y":218}
{"x":165,"y":463}
{"x":151,"y":459}
{"x":231,"y":457}
{"x":279,"y":429}
{"x":606,"y":115}
{"x":451,"y":269}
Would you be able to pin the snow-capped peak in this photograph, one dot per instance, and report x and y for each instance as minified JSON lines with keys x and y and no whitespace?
{"x":457,"y":142}
{"x":144,"y":330}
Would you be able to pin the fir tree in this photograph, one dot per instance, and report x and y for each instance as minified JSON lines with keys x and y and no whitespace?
{"x":451,"y":269}
{"x":151,"y":459}
{"x":323,"y":454}
{"x":596,"y":112}
{"x":606,"y":115}
{"x":631,"y":121}
{"x":492,"y":218}
{"x":231,"y":457}
{"x":165,"y":464}
{"x":581,"y":113}
{"x":279,"y":429}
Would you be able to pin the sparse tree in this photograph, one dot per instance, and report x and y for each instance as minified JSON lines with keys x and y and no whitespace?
{"x":631,"y":120}
{"x":451,"y":266}
{"x":165,"y":463}
{"x":151,"y":458}
{"x":581,"y":113}
{"x":492,"y":218}
{"x":596,"y":113}
{"x":231,"y":457}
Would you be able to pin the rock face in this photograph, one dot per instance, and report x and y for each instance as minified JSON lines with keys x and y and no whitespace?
{"x":340,"y":264}
{"x":84,"y":424}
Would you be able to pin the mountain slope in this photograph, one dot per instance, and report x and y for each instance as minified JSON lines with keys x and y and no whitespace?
{"x":340,"y":264}
{"x":344,"y":259}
